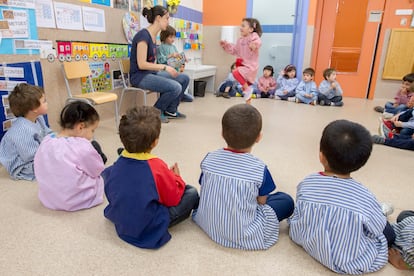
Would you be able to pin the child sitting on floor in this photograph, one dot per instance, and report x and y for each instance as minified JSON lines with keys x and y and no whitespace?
{"x":337,"y":220}
{"x":145,"y":196}
{"x":401,"y":255}
{"x":330,"y":92}
{"x":19,"y":145}
{"x":266,"y":85}
{"x":306,"y":91}
{"x":286,"y":83}
{"x":67,"y":165}
{"x":401,"y":98}
{"x":237,"y":207}
{"x":230,"y":86}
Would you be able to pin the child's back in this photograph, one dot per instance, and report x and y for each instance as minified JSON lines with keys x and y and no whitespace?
{"x":228,"y":210}
{"x":236,"y":208}
{"x":67,"y":167}
{"x":337,"y":220}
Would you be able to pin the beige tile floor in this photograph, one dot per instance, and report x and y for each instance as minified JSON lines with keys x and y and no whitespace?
{"x":37,"y":241}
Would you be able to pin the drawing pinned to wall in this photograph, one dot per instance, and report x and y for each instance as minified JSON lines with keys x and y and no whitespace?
{"x":16,"y":23}
{"x":121,"y":4}
{"x":45,"y":17}
{"x":28,"y":4}
{"x":68,"y":16}
{"x":136,"y":6}
{"x":130,"y":25}
{"x":93,"y":19}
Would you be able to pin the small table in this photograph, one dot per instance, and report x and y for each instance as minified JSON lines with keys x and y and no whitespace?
{"x":201,"y":72}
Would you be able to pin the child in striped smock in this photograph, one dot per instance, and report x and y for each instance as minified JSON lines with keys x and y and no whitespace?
{"x":236,"y":208}
{"x":337,"y":220}
{"x":401,"y":255}
{"x":20,"y":143}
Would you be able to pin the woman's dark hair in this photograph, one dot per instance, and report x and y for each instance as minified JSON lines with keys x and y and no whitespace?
{"x":78,"y":112}
{"x":254,"y":24}
{"x":288,"y":68}
{"x":270,"y":68}
{"x":153,"y":12}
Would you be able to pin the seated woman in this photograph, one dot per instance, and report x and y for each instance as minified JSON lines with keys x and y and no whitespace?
{"x":145,"y":73}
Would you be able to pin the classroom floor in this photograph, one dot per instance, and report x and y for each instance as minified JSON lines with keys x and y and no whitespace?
{"x":38,"y":241}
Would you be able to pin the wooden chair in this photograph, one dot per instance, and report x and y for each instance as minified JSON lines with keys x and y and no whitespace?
{"x":78,"y":70}
{"x":124,"y":66}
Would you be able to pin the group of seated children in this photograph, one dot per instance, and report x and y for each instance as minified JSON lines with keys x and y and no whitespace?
{"x":288,"y":87}
{"x":337,"y":220}
{"x":396,"y":127}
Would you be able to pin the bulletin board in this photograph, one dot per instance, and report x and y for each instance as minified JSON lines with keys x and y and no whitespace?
{"x":16,"y":23}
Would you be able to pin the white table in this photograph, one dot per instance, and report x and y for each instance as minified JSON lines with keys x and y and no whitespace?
{"x":201,"y":72}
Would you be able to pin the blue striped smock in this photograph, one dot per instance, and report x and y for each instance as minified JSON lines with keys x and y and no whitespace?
{"x":340,"y":224}
{"x":404,"y":231}
{"x":228,"y":211}
{"x":19,"y":145}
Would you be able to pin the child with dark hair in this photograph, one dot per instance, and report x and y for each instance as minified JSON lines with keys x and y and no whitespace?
{"x":167,"y":53}
{"x":287,"y":83}
{"x":266,"y":85}
{"x":145,"y":196}
{"x":306,"y":91}
{"x":401,"y":255}
{"x":401,"y":98}
{"x":67,"y":165}
{"x":337,"y":220}
{"x":19,"y":144}
{"x":247,"y":51}
{"x":330,"y":92}
{"x":237,"y":207}
{"x":230,"y":86}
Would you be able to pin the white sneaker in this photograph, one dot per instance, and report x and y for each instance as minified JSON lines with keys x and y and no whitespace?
{"x":247,"y":96}
{"x":387,"y":115}
{"x":387,"y":209}
{"x":277,"y":97}
{"x":292,"y":99}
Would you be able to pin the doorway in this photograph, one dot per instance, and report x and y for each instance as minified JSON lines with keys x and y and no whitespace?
{"x":346,"y":36}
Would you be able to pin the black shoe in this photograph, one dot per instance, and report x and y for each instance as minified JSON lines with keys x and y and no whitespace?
{"x":119,"y":150}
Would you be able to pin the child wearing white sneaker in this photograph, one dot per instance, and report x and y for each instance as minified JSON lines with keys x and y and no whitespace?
{"x":247,"y":51}
{"x":306,"y":91}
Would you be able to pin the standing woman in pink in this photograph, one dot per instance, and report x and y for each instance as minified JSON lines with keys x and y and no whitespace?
{"x":246,"y":50}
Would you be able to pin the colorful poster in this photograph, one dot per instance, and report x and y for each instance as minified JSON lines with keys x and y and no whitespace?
{"x":101,"y":77}
{"x":102,"y":2}
{"x":16,"y":23}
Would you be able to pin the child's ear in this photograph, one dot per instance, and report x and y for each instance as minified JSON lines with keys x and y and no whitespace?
{"x":259,"y":137}
{"x":323,"y":160}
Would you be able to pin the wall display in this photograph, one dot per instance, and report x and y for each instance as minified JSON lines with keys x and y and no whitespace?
{"x":101,"y":77}
{"x":93,"y":19}
{"x":12,"y":74}
{"x":16,"y":23}
{"x":68,"y":16}
{"x":130,"y":24}
{"x":45,"y":17}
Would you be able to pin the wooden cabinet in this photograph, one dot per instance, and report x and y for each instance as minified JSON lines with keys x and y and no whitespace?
{"x":400,"y":54}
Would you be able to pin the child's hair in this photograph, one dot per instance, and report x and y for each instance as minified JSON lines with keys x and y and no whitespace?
{"x":241,"y":125}
{"x":78,"y":112}
{"x":24,"y":98}
{"x":139,"y":128}
{"x":289,"y":68}
{"x":310,"y":71}
{"x":270,"y":68}
{"x":346,"y":146}
{"x":170,"y":31}
{"x":233,"y":66}
{"x":411,"y":88}
{"x":327,"y":72}
{"x":254,"y":24}
{"x":151,"y":13}
{"x":409,"y":77}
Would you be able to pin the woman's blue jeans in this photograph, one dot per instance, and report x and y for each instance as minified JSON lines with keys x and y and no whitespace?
{"x":171,"y":89}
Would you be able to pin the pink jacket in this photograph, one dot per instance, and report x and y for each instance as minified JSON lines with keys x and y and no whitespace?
{"x":402,"y":98}
{"x":264,"y":82}
{"x":250,"y":58}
